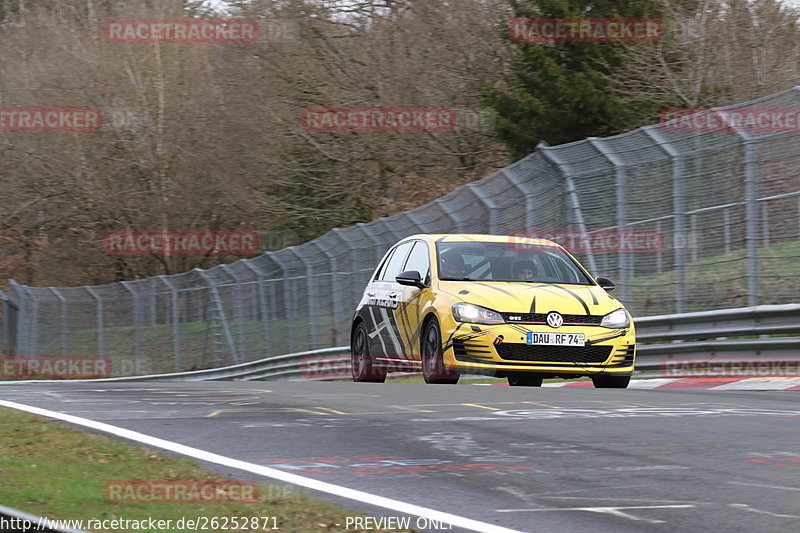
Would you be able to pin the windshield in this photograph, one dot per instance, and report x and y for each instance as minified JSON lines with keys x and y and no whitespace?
{"x":503,"y":261}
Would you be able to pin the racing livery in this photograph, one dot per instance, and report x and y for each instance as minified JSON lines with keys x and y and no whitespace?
{"x":505,"y":306}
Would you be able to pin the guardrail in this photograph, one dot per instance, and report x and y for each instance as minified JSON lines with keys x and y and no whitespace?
{"x":271,"y":368}
{"x":660,"y":339}
{"x":708,"y":334}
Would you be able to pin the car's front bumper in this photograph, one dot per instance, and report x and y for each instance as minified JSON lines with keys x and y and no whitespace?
{"x":501,"y":349}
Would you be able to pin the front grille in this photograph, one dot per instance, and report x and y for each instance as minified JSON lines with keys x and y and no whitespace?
{"x":541,"y":318}
{"x":553,"y":354}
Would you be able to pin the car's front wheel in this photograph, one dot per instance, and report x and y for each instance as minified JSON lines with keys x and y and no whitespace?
{"x":524,"y":380}
{"x":363,"y":365}
{"x":433,"y":368}
{"x":610,"y":381}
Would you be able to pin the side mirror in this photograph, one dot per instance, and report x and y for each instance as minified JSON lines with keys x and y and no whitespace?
{"x":606,"y":283}
{"x":411,"y":278}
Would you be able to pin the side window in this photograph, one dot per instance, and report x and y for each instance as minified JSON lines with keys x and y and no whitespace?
{"x":382,"y":269}
{"x":419,"y":260}
{"x":396,"y":262}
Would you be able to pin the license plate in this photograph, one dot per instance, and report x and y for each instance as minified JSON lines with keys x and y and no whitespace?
{"x":555,"y":339}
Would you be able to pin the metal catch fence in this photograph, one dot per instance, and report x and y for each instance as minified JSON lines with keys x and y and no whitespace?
{"x":724,"y":204}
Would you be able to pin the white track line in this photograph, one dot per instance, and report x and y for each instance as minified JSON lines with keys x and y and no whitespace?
{"x":650,"y":383}
{"x":777,"y":383}
{"x":357,"y":495}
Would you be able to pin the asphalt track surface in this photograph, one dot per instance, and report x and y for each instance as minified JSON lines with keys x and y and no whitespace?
{"x":529,"y":459}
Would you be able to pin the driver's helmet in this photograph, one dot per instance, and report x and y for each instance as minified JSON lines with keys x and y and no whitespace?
{"x":523,"y":269}
{"x":451,"y":265}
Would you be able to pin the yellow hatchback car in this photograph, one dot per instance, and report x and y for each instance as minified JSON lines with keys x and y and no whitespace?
{"x":503,"y":306}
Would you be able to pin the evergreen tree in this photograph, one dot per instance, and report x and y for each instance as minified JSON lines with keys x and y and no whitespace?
{"x":558,"y":92}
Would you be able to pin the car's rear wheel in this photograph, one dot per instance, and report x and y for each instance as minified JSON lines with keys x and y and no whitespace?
{"x":363,"y":364}
{"x":524,"y":380}
{"x":610,"y":381}
{"x":433,"y":367}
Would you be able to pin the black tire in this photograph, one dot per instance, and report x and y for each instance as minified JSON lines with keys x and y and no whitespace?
{"x":361,"y":362}
{"x":524,"y":380}
{"x":433,"y":367}
{"x":610,"y":381}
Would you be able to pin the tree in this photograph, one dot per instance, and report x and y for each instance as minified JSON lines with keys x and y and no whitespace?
{"x":558,"y":92}
{"x":208,"y":136}
{"x":716,"y":53}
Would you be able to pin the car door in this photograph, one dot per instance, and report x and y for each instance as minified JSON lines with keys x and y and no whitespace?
{"x":410,"y":300}
{"x":369,"y":307}
{"x":384,"y":298}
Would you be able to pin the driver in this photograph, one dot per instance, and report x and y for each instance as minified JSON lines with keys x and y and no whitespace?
{"x":523,"y":270}
{"x":452,"y":265}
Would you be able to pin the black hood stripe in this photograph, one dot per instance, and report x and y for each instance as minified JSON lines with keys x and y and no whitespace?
{"x":497,"y":289}
{"x":574,"y":295}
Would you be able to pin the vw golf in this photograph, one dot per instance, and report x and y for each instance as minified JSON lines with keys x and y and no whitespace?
{"x":504,"y":306}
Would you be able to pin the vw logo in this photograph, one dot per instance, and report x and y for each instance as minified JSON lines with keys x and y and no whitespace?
{"x":554,"y":320}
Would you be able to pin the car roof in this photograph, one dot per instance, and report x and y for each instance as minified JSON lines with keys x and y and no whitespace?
{"x":477,"y":237}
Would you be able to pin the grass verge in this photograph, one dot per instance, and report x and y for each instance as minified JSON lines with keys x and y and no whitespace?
{"x":58,"y":472}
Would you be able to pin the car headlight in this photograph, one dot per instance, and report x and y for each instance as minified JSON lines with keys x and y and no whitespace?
{"x":475,"y":314}
{"x":616,"y":319}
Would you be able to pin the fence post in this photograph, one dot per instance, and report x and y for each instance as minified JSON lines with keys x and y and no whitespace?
{"x":137,"y":334}
{"x":10,"y":323}
{"x":101,"y":334}
{"x":64,"y":321}
{"x":380,"y":246}
{"x":573,"y":202}
{"x":623,"y":258}
{"x":238,"y":314}
{"x":751,"y":207}
{"x":678,"y":210}
{"x":269,"y":346}
{"x":517,"y":181}
{"x":216,"y":301}
{"x":458,"y":226}
{"x":474,"y":188}
{"x":726,"y":217}
{"x":312,"y":320}
{"x":335,"y":292}
{"x":751,"y":182}
{"x":659,"y":258}
{"x":176,"y":334}
{"x":287,"y":320}
{"x":31,"y":347}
